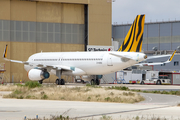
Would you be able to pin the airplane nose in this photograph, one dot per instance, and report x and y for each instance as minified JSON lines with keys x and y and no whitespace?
{"x":145,"y":56}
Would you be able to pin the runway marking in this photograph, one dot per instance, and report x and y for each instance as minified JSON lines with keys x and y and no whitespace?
{"x":120,"y":112}
{"x":150,"y":98}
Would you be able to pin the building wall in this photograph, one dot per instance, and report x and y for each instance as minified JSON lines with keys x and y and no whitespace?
{"x":99,"y":22}
{"x":49,"y":26}
{"x":163,"y":35}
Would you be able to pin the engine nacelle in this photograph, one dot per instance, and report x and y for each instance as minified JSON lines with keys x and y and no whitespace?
{"x":36,"y":74}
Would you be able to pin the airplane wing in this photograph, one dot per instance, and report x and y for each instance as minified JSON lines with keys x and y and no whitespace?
{"x":157,"y":56}
{"x":157,"y":63}
{"x":16,"y":61}
{"x":55,"y":67}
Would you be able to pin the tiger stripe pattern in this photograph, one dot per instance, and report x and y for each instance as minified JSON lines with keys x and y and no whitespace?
{"x":172,"y":56}
{"x":134,"y":37}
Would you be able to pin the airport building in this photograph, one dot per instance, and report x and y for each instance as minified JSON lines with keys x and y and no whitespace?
{"x":158,"y":38}
{"x":32,"y":26}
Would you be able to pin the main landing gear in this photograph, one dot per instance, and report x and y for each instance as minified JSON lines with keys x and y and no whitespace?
{"x":95,"y":82}
{"x":59,"y":81}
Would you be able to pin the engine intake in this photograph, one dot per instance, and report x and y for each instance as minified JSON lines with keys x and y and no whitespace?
{"x":36,"y":74}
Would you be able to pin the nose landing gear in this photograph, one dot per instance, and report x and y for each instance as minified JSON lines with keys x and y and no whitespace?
{"x":95,"y":82}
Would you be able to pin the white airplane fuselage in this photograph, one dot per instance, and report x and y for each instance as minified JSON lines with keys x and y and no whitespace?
{"x":85,"y":63}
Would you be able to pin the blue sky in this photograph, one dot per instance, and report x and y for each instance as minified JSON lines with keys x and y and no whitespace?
{"x":125,"y":11}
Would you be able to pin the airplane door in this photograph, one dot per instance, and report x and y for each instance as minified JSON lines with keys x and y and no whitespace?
{"x":109,"y":60}
{"x":60,"y":61}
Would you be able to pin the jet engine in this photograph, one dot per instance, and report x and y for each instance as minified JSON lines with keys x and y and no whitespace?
{"x":36,"y":74}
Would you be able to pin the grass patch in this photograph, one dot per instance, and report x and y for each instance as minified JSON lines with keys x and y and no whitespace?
{"x":119,"y":88}
{"x":44,"y":97}
{"x":104,"y":117}
{"x":32,"y":84}
{"x":94,"y":86}
{"x":7,"y":87}
{"x":158,"y":92}
{"x":144,"y":91}
{"x":95,"y":94}
{"x":18,"y":84}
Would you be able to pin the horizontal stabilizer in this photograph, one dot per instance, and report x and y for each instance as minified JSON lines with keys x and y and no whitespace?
{"x":158,"y":63}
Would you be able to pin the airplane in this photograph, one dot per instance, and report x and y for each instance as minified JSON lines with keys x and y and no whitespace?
{"x":84,"y":78}
{"x":39,"y":66}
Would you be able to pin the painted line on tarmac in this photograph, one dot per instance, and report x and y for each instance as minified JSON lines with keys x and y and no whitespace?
{"x":121,"y":112}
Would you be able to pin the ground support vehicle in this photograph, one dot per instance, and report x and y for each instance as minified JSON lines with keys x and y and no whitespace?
{"x":163,"y":79}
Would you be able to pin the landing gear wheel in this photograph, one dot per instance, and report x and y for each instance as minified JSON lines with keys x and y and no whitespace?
{"x":40,"y":81}
{"x":97,"y":82}
{"x":92,"y":82}
{"x":158,"y":82}
{"x":82,"y":81}
{"x":62,"y":82}
{"x":57,"y":81}
{"x":142,"y":82}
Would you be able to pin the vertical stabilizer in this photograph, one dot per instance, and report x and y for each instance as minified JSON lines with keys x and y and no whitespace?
{"x":134,"y":37}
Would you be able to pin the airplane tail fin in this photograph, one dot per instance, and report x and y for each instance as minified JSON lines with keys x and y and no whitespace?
{"x":5,"y":52}
{"x":133,"y":39}
{"x":171,"y":57}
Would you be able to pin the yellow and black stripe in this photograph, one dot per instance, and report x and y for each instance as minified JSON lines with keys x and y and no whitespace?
{"x":172,"y":56}
{"x":5,"y":52}
{"x":133,"y":39}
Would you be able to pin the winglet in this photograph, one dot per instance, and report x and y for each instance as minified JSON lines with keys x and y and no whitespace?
{"x":5,"y":52}
{"x":171,"y":57}
{"x":5,"y":57}
{"x":134,"y":38}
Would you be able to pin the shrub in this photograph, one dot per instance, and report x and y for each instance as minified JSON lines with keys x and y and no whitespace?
{"x":107,"y":99}
{"x":88,"y":84}
{"x":89,"y":98}
{"x":20,"y":97}
{"x":104,"y":117}
{"x":32,"y":84}
{"x":29,"y":96}
{"x":44,"y":97}
{"x":119,"y":88}
{"x":20,"y":85}
{"x":17,"y":92}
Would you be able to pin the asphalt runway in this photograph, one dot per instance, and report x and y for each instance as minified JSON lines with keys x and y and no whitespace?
{"x":155,"y":106}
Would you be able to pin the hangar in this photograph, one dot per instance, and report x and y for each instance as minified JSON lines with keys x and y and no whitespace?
{"x":32,"y":26}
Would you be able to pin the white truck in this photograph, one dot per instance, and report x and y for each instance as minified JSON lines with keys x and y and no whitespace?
{"x":163,"y":79}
